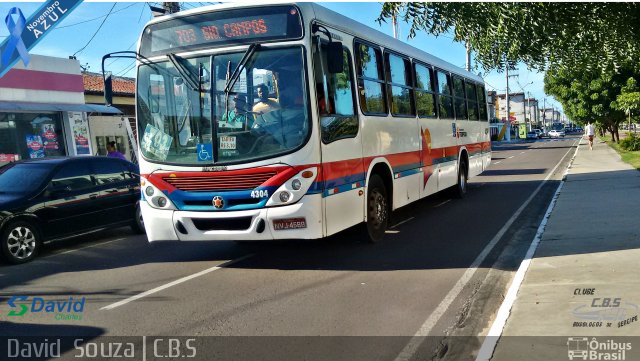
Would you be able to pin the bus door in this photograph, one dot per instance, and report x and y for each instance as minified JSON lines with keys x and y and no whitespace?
{"x":341,"y":149}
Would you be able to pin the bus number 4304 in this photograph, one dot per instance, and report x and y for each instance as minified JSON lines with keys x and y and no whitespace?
{"x":260,"y":194}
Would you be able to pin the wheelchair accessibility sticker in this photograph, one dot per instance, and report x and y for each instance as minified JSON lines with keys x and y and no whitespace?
{"x":205,"y":151}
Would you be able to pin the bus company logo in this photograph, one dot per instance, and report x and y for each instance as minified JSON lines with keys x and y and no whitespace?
{"x":218,"y":202}
{"x":67,"y":310}
{"x":584,"y":349}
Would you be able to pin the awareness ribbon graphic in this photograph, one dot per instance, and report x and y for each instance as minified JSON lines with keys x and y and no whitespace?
{"x":15,"y":39}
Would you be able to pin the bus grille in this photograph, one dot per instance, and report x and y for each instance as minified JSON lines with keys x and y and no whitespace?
{"x":219,"y":182}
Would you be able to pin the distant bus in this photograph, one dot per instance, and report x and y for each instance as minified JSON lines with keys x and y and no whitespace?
{"x":354,"y":124}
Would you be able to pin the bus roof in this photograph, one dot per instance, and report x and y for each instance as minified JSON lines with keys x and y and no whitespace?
{"x":346,"y":25}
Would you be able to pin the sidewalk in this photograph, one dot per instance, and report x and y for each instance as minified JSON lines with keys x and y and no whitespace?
{"x":591,"y":244}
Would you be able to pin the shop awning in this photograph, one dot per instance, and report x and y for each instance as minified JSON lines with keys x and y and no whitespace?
{"x":57,"y":107}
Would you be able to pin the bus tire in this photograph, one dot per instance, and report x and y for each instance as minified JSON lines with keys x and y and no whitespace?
{"x":377,"y":209}
{"x":460,"y":189}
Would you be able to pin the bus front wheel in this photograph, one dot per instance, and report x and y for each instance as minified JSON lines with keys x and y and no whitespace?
{"x":460,"y":189}
{"x":377,"y":209}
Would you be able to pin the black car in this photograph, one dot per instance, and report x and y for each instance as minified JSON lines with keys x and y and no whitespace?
{"x":52,"y":199}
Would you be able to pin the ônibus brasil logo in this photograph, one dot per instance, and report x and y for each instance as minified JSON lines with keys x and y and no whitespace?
{"x":584,"y":349}
{"x":69,"y":309}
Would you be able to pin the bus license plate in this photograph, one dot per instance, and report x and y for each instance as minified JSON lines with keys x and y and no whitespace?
{"x":289,"y":223}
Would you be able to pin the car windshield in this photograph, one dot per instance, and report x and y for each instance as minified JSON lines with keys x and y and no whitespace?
{"x":23,"y":177}
{"x":265,"y":113}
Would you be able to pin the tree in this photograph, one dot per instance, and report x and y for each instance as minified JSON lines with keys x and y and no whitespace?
{"x":561,"y":34}
{"x":629,"y":99}
{"x":591,"y":95}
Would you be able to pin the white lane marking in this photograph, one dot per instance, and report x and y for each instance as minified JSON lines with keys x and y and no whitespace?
{"x":443,"y":203}
{"x":410,"y":349}
{"x":171,"y":284}
{"x":403,"y":222}
{"x":81,"y":248}
{"x":511,"y":157}
{"x":495,"y":332}
{"x":498,"y":162}
{"x":522,"y":152}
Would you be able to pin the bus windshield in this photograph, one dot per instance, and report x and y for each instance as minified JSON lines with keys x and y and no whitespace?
{"x":186,"y":117}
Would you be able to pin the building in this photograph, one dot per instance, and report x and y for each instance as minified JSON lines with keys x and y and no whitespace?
{"x":105,"y":127}
{"x":517,"y":108}
{"x":43,"y":111}
{"x":549,"y":116}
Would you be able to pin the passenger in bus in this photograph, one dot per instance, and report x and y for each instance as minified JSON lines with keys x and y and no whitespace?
{"x":237,"y":117}
{"x":264,"y":104}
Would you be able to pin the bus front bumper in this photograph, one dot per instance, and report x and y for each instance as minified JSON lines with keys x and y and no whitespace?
{"x":302,"y":220}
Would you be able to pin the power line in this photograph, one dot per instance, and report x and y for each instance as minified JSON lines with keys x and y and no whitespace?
{"x":96,"y":33}
{"x":96,"y":18}
{"x":129,"y":67}
{"x":141,"y":11}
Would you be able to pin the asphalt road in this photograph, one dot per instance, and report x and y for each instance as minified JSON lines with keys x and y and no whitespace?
{"x":439,"y":275}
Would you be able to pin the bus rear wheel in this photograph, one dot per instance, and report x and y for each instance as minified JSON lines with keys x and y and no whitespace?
{"x":377,"y":209}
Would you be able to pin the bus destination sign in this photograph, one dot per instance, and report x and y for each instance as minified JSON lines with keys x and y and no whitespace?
{"x":222,"y":28}
{"x":270,"y":25}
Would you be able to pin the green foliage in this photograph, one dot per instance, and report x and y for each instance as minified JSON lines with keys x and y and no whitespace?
{"x":630,"y":143}
{"x":591,"y":95}
{"x":629,"y":98}
{"x":568,"y":34}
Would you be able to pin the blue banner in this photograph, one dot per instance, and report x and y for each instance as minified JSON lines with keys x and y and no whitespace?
{"x":24,"y":34}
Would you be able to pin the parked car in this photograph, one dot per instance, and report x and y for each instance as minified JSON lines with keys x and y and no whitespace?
{"x":556,"y":133}
{"x":58,"y":198}
{"x":532,"y":135}
{"x":539,"y":133}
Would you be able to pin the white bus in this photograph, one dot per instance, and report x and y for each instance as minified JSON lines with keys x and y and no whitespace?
{"x":346,"y":125}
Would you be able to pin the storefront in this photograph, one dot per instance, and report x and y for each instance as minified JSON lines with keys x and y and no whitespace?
{"x":42,"y":111}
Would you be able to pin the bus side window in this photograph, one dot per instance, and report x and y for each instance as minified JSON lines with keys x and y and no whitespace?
{"x":459,"y":98}
{"x":445,"y":100}
{"x":472,"y":103}
{"x":400,"y":85}
{"x":371,"y":82}
{"x":425,"y":97}
{"x":337,"y":112}
{"x":482,"y":101}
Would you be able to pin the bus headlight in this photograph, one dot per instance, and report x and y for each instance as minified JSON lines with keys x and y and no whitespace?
{"x":284,"y":196}
{"x":296,"y":184}
{"x":293,"y":189}
{"x":155,"y":198}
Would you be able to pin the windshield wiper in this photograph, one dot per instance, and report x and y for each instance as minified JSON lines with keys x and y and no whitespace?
{"x":231,"y":80}
{"x":185,"y":72}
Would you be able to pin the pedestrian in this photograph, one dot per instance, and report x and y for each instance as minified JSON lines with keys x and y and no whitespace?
{"x":590,"y":132}
{"x":112,"y":152}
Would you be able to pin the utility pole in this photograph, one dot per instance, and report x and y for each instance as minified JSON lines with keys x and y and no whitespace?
{"x":394,"y":22}
{"x":507,"y":100}
{"x":468,"y":63}
{"x":544,"y":115}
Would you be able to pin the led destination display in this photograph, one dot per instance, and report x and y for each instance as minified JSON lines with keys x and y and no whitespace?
{"x":222,"y":28}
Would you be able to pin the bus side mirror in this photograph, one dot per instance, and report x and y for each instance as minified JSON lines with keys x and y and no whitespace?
{"x":335,"y":59}
{"x":108,"y":89}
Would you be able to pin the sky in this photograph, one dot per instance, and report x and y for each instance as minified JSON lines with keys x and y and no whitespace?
{"x":125,"y":21}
